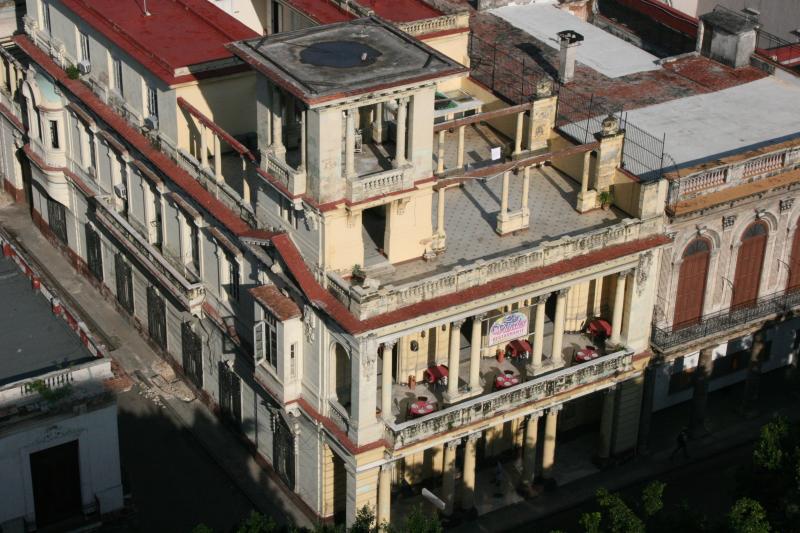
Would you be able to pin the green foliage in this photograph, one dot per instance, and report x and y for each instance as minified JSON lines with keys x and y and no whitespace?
{"x":770,"y":451}
{"x":73,"y":73}
{"x":653,"y":498}
{"x":748,"y":516}
{"x":258,"y":523}
{"x":363,"y":522}
{"x":590,"y":522}
{"x":418,"y":521}
{"x":202,"y":528}
{"x":616,"y":513}
{"x":49,"y":395}
{"x":606,"y":198}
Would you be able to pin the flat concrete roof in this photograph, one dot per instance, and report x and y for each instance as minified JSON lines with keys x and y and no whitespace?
{"x":600,"y":50}
{"x":348,"y":58}
{"x":742,"y":117}
{"x":33,"y":341}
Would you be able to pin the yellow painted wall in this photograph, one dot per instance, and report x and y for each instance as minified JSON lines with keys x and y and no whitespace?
{"x":229,"y":101}
{"x":343,"y":245}
{"x":455,"y":46}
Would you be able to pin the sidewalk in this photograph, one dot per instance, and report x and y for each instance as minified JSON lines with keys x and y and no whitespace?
{"x":140,"y":362}
{"x":727,"y":430}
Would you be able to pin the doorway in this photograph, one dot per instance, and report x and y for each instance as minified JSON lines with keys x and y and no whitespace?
{"x":373,"y":224}
{"x":56,"y":479}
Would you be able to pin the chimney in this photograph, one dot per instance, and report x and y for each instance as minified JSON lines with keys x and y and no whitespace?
{"x":570,"y":40}
{"x":728,"y":37}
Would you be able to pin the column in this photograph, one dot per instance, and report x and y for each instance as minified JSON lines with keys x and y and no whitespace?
{"x":203,"y":147}
{"x":384,"y":495}
{"x":377,"y":124}
{"x":558,"y":327}
{"x":460,"y":153}
{"x":504,"y":199}
{"x":529,"y":454}
{"x":538,"y":333}
{"x":217,"y":159}
{"x":468,"y":476}
{"x":440,"y":154}
{"x":549,"y":447}
{"x":386,"y":381}
{"x":531,"y":128}
{"x":587,"y":161}
{"x":697,"y":419}
{"x":518,"y":136}
{"x":750,"y":395}
{"x":350,"y":144}
{"x":277,"y":122}
{"x":303,"y":134}
{"x":607,"y":423}
{"x":449,"y":476}
{"x":245,"y":182}
{"x":526,"y":184}
{"x":440,"y":212}
{"x":619,"y":303}
{"x":475,"y":354}
{"x":453,"y":360}
{"x":400,"y":147}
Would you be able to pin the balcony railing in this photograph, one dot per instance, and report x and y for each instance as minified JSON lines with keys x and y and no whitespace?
{"x":489,"y":405}
{"x":666,"y":338}
{"x":190,"y":294}
{"x":386,"y":182}
{"x":78,"y":376}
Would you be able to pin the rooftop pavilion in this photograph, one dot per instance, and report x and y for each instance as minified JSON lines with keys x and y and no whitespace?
{"x":345,"y":59}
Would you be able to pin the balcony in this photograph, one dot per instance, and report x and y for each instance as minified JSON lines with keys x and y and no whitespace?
{"x":538,"y":389}
{"x":380,"y":183}
{"x":667,"y":338}
{"x":190,"y":294}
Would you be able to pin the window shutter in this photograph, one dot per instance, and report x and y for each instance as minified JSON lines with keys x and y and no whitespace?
{"x":258,"y":341}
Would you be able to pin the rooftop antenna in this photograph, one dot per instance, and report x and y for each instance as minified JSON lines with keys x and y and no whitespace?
{"x":144,"y":5}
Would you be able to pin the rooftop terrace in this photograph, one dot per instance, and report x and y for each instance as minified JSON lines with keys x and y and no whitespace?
{"x":343,"y":59}
{"x":34,"y":341}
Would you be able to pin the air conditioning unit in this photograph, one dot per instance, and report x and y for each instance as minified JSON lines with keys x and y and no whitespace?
{"x":121,"y":190}
{"x":84,"y":67}
{"x":151,"y":122}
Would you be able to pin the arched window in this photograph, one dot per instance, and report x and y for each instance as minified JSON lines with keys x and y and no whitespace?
{"x":342,"y":379}
{"x":794,"y":262}
{"x":692,"y":283}
{"x":749,"y":264}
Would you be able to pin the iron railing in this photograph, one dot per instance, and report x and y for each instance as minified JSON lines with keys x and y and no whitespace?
{"x":665,"y":338}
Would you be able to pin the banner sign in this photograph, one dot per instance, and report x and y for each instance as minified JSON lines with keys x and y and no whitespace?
{"x":508,"y":327}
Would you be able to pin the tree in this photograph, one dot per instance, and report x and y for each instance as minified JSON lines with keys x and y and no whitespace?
{"x":616,"y":513}
{"x":653,"y":498}
{"x":747,"y":516}
{"x":771,"y":452}
{"x":418,"y":521}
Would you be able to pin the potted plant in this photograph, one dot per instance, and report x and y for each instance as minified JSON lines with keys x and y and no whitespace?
{"x":606,"y":199}
{"x":358,"y":274}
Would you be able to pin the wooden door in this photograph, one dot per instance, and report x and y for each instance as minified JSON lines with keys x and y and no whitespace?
{"x":692,"y":284}
{"x":794,"y":262}
{"x":749,"y":264}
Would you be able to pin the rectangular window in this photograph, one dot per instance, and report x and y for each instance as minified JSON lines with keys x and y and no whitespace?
{"x":92,"y":153}
{"x":54,"y":134}
{"x":46,"y":17}
{"x":84,"y":47}
{"x":152,"y":102}
{"x":118,"y":77}
{"x":233,"y":274}
{"x":39,"y":125}
{"x":265,"y":339}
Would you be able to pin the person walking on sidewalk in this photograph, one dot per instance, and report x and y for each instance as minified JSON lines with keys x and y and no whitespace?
{"x":682,"y":444}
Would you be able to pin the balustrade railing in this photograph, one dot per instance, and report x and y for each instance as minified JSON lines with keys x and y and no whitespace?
{"x":190,"y":294}
{"x":664,"y":338}
{"x":363,"y":187}
{"x":27,"y":390}
{"x":489,"y":405}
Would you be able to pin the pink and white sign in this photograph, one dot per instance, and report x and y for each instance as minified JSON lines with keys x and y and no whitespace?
{"x":508,"y":327}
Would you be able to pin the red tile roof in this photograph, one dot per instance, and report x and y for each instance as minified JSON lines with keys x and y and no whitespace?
{"x":279,"y":304}
{"x":321,"y":11}
{"x":334,"y":308}
{"x":177,"y":33}
{"x":134,"y":138}
{"x":401,"y":10}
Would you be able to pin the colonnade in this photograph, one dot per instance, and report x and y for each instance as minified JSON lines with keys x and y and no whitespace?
{"x":536,"y":365}
{"x":351,"y":118}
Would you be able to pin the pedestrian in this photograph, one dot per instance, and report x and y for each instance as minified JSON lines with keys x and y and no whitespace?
{"x":682,"y":444}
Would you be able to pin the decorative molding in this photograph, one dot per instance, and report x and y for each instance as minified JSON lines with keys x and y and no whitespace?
{"x":728,"y":221}
{"x":786,"y":204}
{"x":643,"y":271}
{"x":309,"y":323}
